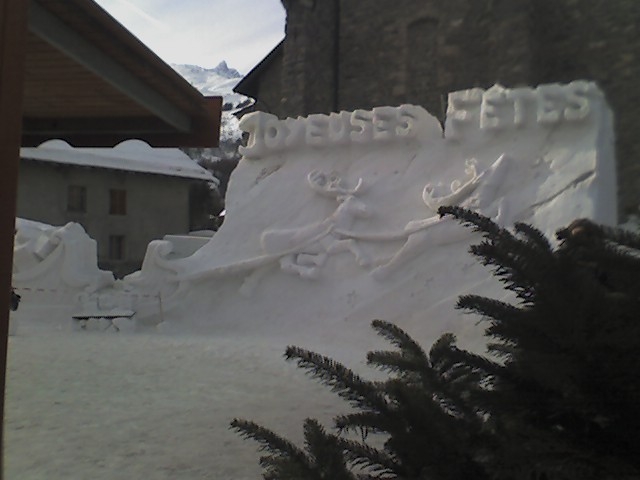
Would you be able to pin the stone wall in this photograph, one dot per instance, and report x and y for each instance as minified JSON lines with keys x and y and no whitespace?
{"x":308,"y":62}
{"x":343,"y":55}
{"x":269,"y":89}
{"x":347,"y":54}
{"x":418,"y":52}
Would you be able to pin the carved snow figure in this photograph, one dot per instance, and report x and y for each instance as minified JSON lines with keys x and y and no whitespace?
{"x":303,"y":251}
{"x":66,"y":256}
{"x":308,"y":247}
{"x":480,"y":192}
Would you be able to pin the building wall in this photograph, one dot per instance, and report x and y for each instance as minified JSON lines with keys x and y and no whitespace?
{"x":308,"y":62}
{"x":156,"y":205}
{"x":270,"y":90}
{"x":417,"y":52}
{"x":348,"y":54}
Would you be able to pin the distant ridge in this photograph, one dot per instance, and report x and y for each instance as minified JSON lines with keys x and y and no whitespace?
{"x":218,"y":80}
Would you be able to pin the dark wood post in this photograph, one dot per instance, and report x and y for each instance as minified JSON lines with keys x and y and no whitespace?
{"x":13,"y":29}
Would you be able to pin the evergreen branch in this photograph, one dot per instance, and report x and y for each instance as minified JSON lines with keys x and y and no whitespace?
{"x":621,"y":236}
{"x":370,"y":459}
{"x":365,"y":423}
{"x":470,"y":218}
{"x":534,"y":237}
{"x":326,"y":452}
{"x":505,"y":349}
{"x":516,"y":272}
{"x":270,"y":441}
{"x":343,"y":381}
{"x":398,"y":337}
{"x":456,"y":358}
{"x":508,"y":324}
{"x":398,"y":363}
{"x":490,"y":308}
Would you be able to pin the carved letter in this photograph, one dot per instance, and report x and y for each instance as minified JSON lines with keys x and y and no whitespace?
{"x":416,"y":122}
{"x":489,"y":109}
{"x":385,"y":122}
{"x":275,"y":134}
{"x":317,"y":134}
{"x":519,"y":97}
{"x":339,"y":128}
{"x":578,"y":107}
{"x":254,"y":124}
{"x":361,"y":120}
{"x":548,"y":110}
{"x":460,"y":110}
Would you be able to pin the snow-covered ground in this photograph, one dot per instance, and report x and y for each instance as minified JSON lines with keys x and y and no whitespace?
{"x":105,"y":405}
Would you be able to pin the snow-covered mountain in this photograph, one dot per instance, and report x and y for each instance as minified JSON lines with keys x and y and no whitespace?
{"x":218,"y":80}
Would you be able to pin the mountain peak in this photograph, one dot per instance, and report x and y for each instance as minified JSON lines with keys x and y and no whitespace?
{"x":223,"y":69}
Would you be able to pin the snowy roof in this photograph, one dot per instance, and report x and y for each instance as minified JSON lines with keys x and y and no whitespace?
{"x":130,"y":155}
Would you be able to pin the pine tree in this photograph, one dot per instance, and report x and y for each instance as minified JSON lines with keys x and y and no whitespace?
{"x":432,"y":432}
{"x":557,"y":398}
{"x":567,"y":401}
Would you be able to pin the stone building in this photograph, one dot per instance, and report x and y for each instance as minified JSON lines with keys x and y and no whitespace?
{"x":123,"y":197}
{"x":348,"y":54}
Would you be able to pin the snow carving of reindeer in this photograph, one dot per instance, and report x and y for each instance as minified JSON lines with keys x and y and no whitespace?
{"x":303,"y":251}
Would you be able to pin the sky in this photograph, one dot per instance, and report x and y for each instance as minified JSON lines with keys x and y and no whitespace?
{"x":203,"y":32}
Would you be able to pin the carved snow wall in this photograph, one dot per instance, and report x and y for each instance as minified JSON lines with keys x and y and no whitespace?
{"x":52,"y":266}
{"x":331,"y":219}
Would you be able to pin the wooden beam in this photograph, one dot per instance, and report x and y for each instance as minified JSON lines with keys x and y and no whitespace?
{"x":48,"y":27}
{"x":107,"y":132}
{"x":60,"y":127}
{"x":13,"y":30}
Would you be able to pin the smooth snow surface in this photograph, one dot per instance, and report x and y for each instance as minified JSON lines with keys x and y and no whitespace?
{"x":116,"y":406}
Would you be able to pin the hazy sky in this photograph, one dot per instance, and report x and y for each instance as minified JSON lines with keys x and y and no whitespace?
{"x":203,"y":32}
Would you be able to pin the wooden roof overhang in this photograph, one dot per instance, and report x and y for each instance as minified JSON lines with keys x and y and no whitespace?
{"x":250,"y":83}
{"x":89,"y":81}
{"x":68,"y":70}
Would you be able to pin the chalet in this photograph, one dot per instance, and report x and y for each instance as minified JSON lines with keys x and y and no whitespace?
{"x":124,"y":197}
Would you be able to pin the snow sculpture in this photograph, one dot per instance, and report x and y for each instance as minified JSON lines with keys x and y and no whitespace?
{"x":331,"y":219}
{"x":479,"y":193}
{"x":310,"y":245}
{"x":267,"y":134}
{"x":61,"y":257}
{"x":52,"y":268}
{"x":303,"y":251}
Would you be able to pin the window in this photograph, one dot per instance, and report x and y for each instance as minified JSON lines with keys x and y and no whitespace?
{"x":76,"y":199}
{"x":116,"y":247}
{"x":117,"y":202}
